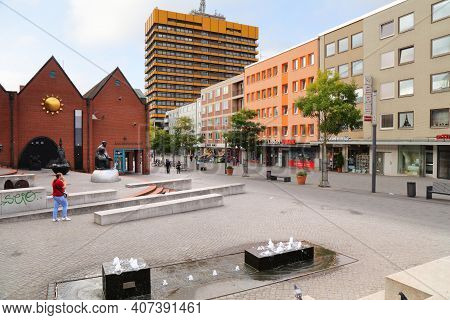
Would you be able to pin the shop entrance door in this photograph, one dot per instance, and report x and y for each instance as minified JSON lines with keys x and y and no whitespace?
{"x":429,"y":162}
{"x":380,"y":163}
{"x":119,"y":159}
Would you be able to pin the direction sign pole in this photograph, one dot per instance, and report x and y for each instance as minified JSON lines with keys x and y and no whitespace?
{"x":374,"y":142}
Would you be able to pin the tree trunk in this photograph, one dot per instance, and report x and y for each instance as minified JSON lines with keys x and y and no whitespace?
{"x":245,"y":164}
{"x":324,"y":183}
{"x":185,"y":159}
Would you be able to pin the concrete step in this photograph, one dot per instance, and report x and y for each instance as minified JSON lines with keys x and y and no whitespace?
{"x":176,"y":184}
{"x":225,"y":190}
{"x":157,"y":209}
{"x":375,"y":296}
{"x":430,"y":280}
{"x":87,"y":197}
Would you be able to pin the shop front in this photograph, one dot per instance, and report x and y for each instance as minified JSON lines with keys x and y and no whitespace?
{"x":289,"y":154}
{"x":358,"y":160}
{"x":443,"y":162}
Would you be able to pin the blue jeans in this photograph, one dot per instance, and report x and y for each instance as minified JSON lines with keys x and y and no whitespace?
{"x":59,"y":201}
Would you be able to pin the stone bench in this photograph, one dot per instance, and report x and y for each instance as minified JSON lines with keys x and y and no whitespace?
{"x":440,"y":187}
{"x":22,"y":200}
{"x":157,"y":209}
{"x":176,"y":184}
{"x":87,"y":197}
{"x":29,"y":178}
{"x":285,"y":179}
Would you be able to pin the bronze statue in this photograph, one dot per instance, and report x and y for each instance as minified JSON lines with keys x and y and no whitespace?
{"x":61,"y":165}
{"x":102,"y":158}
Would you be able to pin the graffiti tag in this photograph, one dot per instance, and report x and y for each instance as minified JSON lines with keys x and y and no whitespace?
{"x":20,"y":198}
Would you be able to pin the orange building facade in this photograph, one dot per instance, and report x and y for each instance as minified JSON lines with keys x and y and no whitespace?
{"x":271,"y":88}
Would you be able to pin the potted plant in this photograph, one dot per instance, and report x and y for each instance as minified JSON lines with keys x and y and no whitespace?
{"x":301,"y":177}
{"x":339,"y":162}
{"x":230,"y":170}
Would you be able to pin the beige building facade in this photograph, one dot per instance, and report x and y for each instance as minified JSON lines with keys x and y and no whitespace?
{"x":405,"y":52}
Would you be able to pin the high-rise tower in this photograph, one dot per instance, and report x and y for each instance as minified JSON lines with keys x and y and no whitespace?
{"x":188,"y":52}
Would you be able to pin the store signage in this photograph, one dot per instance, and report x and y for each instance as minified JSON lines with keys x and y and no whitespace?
{"x":368,"y":83}
{"x":288,"y":142}
{"x":337,"y":139}
{"x":443,"y":137}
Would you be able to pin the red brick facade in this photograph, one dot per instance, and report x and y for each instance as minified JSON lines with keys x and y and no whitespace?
{"x":119,"y":116}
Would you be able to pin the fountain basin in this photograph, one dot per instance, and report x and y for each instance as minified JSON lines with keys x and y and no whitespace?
{"x":255,"y":259}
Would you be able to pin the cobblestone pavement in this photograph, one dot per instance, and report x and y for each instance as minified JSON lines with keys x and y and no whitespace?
{"x":385,"y":233}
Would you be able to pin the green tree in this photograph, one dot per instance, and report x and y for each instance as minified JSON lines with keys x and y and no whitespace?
{"x":184,"y":137}
{"x":333,"y":103}
{"x":161,"y":142}
{"x":244,"y":134}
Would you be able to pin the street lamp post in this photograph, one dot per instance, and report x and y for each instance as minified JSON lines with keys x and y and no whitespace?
{"x":374,"y":142}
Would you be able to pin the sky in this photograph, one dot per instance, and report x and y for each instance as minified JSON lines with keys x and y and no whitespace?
{"x":90,"y":38}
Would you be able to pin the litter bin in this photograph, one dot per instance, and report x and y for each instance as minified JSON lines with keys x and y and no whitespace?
{"x":411,"y":189}
{"x":268,"y":174}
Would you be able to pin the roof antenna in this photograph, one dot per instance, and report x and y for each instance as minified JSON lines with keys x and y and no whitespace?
{"x":202,"y":8}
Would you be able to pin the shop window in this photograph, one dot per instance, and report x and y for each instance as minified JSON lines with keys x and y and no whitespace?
{"x":343,"y":45}
{"x":343,"y":71}
{"x":387,"y":91}
{"x":443,"y":162}
{"x":406,"y":55}
{"x":406,"y":120}
{"x":387,"y":60}
{"x":410,"y":160}
{"x":387,"y":121}
{"x":440,"y":10}
{"x":330,"y":49}
{"x":406,"y":88}
{"x":439,"y":118}
{"x":387,"y":30}
{"x":357,"y":67}
{"x":406,"y":23}
{"x":440,"y":46}
{"x":285,"y":131}
{"x":440,"y":82}
{"x":357,"y":40}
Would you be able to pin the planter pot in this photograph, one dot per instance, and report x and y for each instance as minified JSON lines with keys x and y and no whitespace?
{"x":339,"y":170}
{"x":301,"y":180}
{"x":230,"y":172}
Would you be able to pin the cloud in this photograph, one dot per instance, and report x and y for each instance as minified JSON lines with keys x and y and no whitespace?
{"x":102,"y":23}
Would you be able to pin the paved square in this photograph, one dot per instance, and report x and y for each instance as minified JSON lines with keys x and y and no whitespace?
{"x":382,"y":231}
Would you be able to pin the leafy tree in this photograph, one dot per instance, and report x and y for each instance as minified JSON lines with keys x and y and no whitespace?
{"x":184,"y":137}
{"x":244,"y":134}
{"x":161,"y":142}
{"x":333,"y":103}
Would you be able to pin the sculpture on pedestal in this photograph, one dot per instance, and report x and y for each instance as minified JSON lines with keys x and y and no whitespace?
{"x":102,"y":158}
{"x":61,"y":165}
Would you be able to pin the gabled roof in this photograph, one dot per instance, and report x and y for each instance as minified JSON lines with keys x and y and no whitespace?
{"x":95,"y":90}
{"x":1,"y":87}
{"x":52,"y":58}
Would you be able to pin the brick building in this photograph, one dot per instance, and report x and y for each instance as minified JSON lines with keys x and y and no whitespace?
{"x":49,"y":108}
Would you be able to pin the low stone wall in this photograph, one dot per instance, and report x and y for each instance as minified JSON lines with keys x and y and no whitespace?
{"x":175,"y":184}
{"x":21,"y":200}
{"x":157,"y":209}
{"x":14,"y":178}
{"x":87,"y":197}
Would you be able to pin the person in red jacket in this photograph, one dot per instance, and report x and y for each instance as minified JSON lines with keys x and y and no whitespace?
{"x":59,"y":198}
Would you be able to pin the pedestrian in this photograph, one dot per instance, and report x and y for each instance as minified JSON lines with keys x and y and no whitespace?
{"x":59,"y":197}
{"x":191,"y":157}
{"x":168,"y":166}
{"x":178,"y":167}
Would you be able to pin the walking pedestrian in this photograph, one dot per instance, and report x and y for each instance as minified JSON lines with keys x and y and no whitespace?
{"x":191,"y":157}
{"x":178,"y":167}
{"x":59,"y":197}
{"x":168,"y":166}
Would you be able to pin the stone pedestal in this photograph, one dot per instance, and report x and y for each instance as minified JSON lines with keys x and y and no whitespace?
{"x":105,"y":176}
{"x":127,"y":283}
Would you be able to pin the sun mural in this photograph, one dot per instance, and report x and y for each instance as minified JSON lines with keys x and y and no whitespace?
{"x":52,"y":104}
